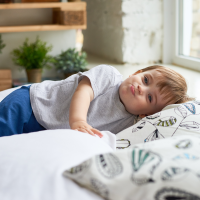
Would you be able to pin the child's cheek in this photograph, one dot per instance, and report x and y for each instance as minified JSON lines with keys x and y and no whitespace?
{"x":123,"y":92}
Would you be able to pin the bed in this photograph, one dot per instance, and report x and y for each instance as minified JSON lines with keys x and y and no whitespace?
{"x":157,"y":158}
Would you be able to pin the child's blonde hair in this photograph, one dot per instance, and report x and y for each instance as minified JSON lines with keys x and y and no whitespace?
{"x":171,"y":84}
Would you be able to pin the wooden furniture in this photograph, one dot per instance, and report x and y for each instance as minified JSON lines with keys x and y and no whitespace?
{"x":5,"y":79}
{"x":69,"y":15}
{"x":38,"y":1}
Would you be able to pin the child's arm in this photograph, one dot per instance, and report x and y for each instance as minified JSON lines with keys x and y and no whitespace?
{"x":79,"y":107}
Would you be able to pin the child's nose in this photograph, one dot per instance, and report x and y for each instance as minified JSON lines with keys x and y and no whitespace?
{"x":140,"y":89}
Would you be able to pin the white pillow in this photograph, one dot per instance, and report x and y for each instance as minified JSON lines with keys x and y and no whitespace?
{"x":163,"y":169}
{"x":173,"y":120}
{"x":31,"y":165}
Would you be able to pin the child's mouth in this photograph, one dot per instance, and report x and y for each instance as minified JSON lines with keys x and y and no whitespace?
{"x":132,"y":89}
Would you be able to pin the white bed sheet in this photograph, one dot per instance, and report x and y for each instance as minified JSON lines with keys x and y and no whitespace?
{"x":32,"y":165}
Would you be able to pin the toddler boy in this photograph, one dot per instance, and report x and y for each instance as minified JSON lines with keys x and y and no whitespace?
{"x":144,"y":93}
{"x":92,"y":101}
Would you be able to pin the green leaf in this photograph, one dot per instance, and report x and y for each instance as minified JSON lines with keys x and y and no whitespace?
{"x":33,"y":55}
{"x":70,"y":61}
{"x":2,"y":45}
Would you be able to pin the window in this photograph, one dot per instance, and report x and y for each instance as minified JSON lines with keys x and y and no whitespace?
{"x":187,"y":33}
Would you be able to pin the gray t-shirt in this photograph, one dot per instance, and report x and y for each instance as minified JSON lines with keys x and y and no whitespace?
{"x":50,"y":101}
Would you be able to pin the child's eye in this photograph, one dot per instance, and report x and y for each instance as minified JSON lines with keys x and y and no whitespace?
{"x":150,"y":98}
{"x":146,"y":80}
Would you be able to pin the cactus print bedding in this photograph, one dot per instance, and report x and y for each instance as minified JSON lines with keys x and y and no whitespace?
{"x":173,"y":120}
{"x":160,"y":170}
{"x":157,"y":158}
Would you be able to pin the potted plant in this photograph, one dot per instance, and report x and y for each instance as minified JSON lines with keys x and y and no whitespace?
{"x":70,"y":62}
{"x":33,"y":57}
{"x":2,"y":45}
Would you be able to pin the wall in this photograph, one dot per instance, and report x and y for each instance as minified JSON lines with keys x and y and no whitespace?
{"x":127,"y":31}
{"x":195,"y":40}
{"x":143,"y":31}
{"x":104,"y":33}
{"x":61,"y":40}
{"x":168,"y":31}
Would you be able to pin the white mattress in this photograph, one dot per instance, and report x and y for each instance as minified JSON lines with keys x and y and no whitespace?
{"x":32,"y":165}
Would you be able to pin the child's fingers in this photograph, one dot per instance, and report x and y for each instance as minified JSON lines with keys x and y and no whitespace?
{"x":86,"y":131}
{"x":82,"y":130}
{"x":95,"y":131}
{"x":90,"y":132}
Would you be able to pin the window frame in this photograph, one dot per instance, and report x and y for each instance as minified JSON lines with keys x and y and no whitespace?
{"x":186,"y":61}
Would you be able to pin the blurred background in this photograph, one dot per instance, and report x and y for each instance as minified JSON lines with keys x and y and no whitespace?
{"x":127,"y":34}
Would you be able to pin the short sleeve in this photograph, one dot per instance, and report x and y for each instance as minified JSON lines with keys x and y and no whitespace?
{"x":102,"y":77}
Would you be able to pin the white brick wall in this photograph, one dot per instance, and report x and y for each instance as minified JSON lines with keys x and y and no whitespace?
{"x":195,"y":38}
{"x":104,"y":32}
{"x":142,"y":23}
{"x":128,"y":31}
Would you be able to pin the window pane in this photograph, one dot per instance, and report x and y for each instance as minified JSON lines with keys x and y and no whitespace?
{"x":189,"y":30}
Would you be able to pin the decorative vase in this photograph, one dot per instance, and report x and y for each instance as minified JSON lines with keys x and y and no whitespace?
{"x":34,"y":75}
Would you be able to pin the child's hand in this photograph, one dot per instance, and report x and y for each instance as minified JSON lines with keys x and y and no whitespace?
{"x":86,"y":128}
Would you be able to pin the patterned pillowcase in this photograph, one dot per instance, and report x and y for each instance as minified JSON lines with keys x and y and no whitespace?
{"x":176,"y":119}
{"x":163,"y":169}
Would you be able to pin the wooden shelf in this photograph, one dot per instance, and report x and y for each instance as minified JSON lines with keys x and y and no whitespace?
{"x":73,"y":8}
{"x":51,"y":27}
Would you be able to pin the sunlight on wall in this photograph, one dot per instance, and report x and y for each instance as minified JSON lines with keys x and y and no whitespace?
{"x":79,"y":40}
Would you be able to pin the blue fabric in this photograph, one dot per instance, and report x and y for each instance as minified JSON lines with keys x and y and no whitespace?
{"x":16,"y":114}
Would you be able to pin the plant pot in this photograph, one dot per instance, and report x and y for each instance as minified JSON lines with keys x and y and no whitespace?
{"x":34,"y":75}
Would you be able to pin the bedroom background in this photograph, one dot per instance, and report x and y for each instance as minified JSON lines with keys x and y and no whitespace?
{"x":128,"y":34}
{"x":125,"y":34}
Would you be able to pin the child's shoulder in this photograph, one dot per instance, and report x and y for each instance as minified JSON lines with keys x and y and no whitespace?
{"x":107,"y":68}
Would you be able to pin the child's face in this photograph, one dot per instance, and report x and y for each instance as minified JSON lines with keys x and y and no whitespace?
{"x":140,"y":95}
